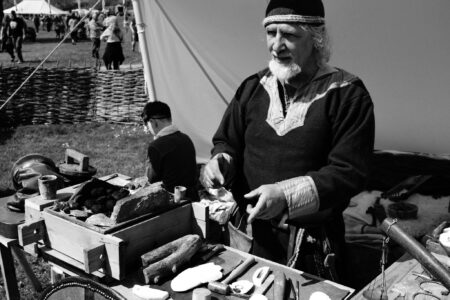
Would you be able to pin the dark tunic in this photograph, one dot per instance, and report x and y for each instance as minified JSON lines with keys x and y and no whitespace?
{"x":173,"y":160}
{"x":332,"y":143}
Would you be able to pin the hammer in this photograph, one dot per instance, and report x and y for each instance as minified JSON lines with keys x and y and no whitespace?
{"x":223,"y":287}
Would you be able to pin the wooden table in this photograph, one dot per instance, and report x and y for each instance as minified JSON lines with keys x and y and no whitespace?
{"x":9,"y":221}
{"x":402,"y":277}
{"x":228,"y":260}
{"x":63,"y":264}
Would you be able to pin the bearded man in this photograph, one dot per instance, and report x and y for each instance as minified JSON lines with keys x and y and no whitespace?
{"x":295,"y":143}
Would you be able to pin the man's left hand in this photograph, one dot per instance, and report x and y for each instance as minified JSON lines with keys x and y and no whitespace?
{"x":271,"y":202}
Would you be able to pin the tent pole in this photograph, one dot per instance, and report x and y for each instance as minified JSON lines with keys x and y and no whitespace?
{"x":144,"y":49}
{"x":1,"y":11}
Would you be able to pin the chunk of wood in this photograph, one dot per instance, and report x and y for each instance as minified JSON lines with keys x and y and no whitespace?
{"x":167,"y":259}
{"x":148,"y":199}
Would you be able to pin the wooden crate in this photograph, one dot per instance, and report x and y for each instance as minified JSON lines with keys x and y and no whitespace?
{"x":116,"y":251}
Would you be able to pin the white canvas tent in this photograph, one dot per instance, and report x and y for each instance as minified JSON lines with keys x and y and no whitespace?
{"x":35,"y":7}
{"x":196,"y":52}
{"x":196,"y":60}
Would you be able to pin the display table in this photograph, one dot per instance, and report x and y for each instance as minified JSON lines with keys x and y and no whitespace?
{"x":8,"y":245}
{"x":403,"y":278}
{"x":228,"y":259}
{"x":64,"y":264}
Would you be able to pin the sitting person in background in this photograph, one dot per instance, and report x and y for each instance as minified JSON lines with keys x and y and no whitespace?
{"x":171,"y":154}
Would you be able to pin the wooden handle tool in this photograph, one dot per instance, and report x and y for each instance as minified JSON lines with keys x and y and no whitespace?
{"x":279,"y":286}
{"x":216,"y":249}
{"x":239,"y":270}
{"x":223,"y":287}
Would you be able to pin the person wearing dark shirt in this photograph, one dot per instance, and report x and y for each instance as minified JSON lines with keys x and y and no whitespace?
{"x":294,"y":144}
{"x":17,"y":29}
{"x":7,"y":40}
{"x":171,"y":155}
{"x":36,"y":22}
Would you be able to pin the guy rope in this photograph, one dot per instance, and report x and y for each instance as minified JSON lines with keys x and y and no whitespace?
{"x":51,"y":52}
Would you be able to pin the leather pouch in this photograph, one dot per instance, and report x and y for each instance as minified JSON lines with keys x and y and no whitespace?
{"x":239,"y":237}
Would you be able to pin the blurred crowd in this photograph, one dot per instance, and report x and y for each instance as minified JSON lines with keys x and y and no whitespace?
{"x":107,"y":26}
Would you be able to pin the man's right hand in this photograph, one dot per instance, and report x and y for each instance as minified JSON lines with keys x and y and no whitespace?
{"x":218,"y":172}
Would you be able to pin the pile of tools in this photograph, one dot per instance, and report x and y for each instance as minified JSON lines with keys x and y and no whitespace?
{"x":168,"y":260}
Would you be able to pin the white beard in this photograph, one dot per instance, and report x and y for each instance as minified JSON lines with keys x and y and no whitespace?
{"x":284,"y":72}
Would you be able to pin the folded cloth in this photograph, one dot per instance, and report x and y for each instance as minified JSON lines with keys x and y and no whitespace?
{"x":220,"y":202}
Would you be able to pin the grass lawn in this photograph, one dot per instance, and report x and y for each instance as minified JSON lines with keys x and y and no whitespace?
{"x":111,"y":149}
{"x":68,"y":54}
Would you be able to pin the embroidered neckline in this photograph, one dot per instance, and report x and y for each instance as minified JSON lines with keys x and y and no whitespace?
{"x":297,"y":110}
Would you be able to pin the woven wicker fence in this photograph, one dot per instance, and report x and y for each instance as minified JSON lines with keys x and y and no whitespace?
{"x":72,"y":95}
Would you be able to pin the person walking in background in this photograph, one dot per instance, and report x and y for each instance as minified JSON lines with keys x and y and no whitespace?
{"x":49,"y":23}
{"x":121,"y":18}
{"x":101,"y":19}
{"x":134,"y":34}
{"x":109,"y":14}
{"x":113,"y":37}
{"x":3,"y":36}
{"x":73,"y":20}
{"x":59,"y":27}
{"x":36,"y":22}
{"x":7,"y":40}
{"x":17,"y":30}
{"x":95,"y":30}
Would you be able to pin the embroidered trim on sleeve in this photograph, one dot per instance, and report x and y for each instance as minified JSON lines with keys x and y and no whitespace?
{"x":301,"y":196}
